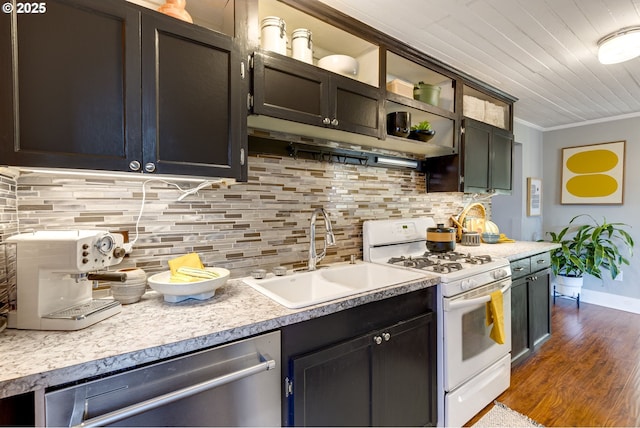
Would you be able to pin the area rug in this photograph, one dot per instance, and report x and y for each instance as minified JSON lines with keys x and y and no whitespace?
{"x":502,"y":416}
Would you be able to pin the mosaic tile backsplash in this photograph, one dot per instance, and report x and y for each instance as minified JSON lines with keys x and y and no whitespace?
{"x":241,"y":226}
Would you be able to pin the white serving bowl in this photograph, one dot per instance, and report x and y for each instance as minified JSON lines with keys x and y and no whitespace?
{"x":176,"y":292}
{"x":341,"y":64}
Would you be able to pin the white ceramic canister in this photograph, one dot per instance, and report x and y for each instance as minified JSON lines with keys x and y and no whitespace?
{"x":274,"y":35}
{"x":302,"y":45}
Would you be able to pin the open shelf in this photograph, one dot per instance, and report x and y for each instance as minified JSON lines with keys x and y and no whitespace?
{"x":413,"y":73}
{"x":485,"y":108}
{"x":442,"y":143}
{"x":327,"y":39}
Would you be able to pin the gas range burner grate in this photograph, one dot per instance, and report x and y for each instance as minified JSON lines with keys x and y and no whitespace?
{"x":479,"y":260}
{"x":413,"y":262}
{"x":454,"y":256}
{"x":447,"y":267}
{"x":442,"y":263}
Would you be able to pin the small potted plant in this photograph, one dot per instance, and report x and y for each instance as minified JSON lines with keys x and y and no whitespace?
{"x":422,"y":131}
{"x":591,"y":248}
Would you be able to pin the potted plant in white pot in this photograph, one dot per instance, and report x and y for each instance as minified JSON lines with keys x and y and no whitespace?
{"x":591,"y":248}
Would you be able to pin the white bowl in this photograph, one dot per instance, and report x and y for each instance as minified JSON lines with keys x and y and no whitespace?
{"x":177,"y":292}
{"x":128,"y":293}
{"x":341,"y":64}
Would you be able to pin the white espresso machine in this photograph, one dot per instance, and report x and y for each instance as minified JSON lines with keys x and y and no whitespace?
{"x":54,"y":272}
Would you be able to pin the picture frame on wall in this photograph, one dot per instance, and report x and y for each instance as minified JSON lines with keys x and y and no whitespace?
{"x":534,"y":196}
{"x":593,"y":174}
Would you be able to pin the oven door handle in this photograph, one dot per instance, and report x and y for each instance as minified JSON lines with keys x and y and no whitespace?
{"x":450,"y":306}
{"x":135,"y":409}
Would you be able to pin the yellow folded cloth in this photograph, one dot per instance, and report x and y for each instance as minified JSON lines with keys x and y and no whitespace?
{"x":189,"y":260}
{"x":179,"y":278}
{"x":503,"y":238}
{"x":187,"y":268}
{"x":495,"y":315}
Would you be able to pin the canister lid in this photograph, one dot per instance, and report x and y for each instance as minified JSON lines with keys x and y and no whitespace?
{"x":301,"y":32}
{"x":271,"y":21}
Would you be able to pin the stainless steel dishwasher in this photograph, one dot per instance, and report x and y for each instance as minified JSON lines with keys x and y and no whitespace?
{"x":231,"y":385}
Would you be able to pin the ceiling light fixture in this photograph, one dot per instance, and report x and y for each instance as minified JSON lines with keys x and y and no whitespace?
{"x":620,"y":46}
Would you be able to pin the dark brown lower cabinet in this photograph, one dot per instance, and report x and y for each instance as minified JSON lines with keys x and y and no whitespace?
{"x":519,"y":320}
{"x":384,"y":377}
{"x":530,"y":314}
{"x":18,"y":410}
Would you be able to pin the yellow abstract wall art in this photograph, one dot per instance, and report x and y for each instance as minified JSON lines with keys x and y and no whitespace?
{"x":593,"y":174}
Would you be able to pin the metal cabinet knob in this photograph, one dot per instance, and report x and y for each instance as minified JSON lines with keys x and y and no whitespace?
{"x":386,"y":336}
{"x":150,"y":167}
{"x":334,"y":122}
{"x":377,"y":339}
{"x":134,"y":165}
{"x":326,"y":121}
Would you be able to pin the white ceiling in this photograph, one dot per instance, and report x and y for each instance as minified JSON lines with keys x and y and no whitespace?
{"x":543,"y":52}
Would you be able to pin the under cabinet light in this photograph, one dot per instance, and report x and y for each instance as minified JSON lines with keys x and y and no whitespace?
{"x":620,"y":46}
{"x":127,"y":176}
{"x":397,"y":162}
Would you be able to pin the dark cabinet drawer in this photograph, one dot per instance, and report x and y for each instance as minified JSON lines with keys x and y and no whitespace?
{"x":540,"y":261}
{"x":520,"y":268}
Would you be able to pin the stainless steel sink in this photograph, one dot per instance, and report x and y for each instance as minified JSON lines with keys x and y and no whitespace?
{"x":299,"y":290}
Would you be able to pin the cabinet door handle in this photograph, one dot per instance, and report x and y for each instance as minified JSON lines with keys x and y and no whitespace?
{"x":518,"y":269}
{"x":326,"y":121}
{"x":150,"y":167}
{"x":386,"y":336}
{"x":377,"y":339}
{"x":335,"y":122}
{"x":134,"y":165}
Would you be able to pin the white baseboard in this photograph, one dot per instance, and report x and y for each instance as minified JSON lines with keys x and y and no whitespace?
{"x":612,"y":301}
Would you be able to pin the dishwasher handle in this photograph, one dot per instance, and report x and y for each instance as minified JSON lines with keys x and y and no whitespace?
{"x":152,"y":403}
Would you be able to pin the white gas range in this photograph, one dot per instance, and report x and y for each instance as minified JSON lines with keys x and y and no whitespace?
{"x":472,"y":368}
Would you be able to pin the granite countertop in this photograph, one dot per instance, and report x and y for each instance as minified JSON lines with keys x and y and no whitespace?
{"x":153,"y":329}
{"x":509,"y":250}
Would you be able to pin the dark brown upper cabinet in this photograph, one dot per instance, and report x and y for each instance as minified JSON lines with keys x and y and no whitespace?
{"x":487,"y":158}
{"x":192,"y":109}
{"x":107,"y":85}
{"x":484,"y":164}
{"x":296,"y":91}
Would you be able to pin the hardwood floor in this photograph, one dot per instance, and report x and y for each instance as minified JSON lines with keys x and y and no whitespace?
{"x":586,"y":374}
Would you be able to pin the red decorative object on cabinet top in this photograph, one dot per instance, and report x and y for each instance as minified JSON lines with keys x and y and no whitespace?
{"x":176,"y":8}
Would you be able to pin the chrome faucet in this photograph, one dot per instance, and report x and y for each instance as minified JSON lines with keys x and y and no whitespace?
{"x":329,"y":238}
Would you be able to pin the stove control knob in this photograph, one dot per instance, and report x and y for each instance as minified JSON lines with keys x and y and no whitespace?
{"x":499,"y":273}
{"x":467,"y":284}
